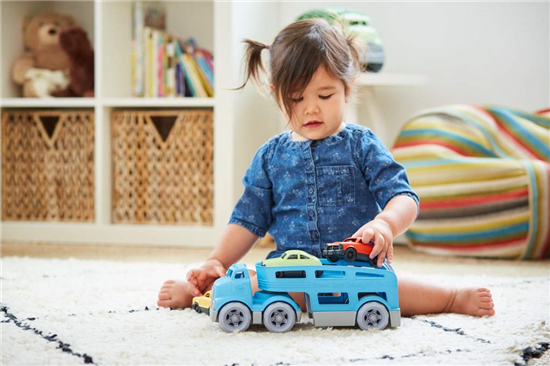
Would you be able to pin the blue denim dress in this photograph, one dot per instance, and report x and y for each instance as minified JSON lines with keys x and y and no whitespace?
{"x":310,"y":193}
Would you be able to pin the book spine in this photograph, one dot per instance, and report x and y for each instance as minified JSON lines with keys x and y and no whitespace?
{"x":148,"y":62}
{"x":160,"y":62}
{"x":137,"y":43}
{"x":184,"y":69}
{"x":171,"y":69}
{"x":204,"y":67}
{"x":179,"y":77}
{"x":202,"y":77}
{"x":165,"y":65}
{"x":155,"y":71}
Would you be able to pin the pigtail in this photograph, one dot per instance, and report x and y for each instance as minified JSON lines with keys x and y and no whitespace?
{"x":357,"y":48}
{"x":253,"y":62}
{"x":359,"y":51}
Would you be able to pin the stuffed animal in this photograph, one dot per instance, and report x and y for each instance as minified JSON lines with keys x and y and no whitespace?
{"x":74,"y":41}
{"x":42,"y":51}
{"x":46,"y":82}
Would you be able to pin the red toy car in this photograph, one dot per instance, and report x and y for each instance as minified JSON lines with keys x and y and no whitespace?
{"x":350,"y":249}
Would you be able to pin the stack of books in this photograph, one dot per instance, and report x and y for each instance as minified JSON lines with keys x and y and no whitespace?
{"x":162,"y":64}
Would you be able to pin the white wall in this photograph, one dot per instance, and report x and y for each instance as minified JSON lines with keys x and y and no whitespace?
{"x":475,"y":52}
{"x":482,"y":53}
{"x":256,"y":118}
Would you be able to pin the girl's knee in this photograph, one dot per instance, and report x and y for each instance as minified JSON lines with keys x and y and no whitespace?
{"x":299,"y":298}
{"x":253,"y":281}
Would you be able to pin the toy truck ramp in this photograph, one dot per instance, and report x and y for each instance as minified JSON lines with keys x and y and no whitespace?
{"x":337,"y":295}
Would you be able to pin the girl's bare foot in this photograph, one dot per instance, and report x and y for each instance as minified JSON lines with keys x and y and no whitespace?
{"x":175,"y":294}
{"x":472,"y":301}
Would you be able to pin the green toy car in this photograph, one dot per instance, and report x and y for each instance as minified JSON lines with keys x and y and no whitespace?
{"x":359,"y":24}
{"x":293,"y":257}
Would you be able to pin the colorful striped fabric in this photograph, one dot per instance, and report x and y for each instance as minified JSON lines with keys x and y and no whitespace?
{"x":482,"y":174}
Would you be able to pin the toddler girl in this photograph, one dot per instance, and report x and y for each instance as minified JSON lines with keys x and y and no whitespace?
{"x":322,"y":181}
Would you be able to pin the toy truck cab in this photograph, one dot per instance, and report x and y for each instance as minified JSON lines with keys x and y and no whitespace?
{"x":235,"y":308}
{"x":234,"y":286}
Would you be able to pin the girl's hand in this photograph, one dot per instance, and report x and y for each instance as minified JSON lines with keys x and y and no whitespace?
{"x":201,"y":279}
{"x":380,"y":233}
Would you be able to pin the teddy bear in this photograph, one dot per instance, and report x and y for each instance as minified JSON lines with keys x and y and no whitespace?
{"x":44,"y":61}
{"x":74,"y":41}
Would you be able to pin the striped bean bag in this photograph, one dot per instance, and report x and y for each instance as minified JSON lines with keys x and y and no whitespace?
{"x":482,"y":174}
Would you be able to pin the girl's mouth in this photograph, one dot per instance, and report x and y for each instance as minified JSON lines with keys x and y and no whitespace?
{"x":313,"y":124}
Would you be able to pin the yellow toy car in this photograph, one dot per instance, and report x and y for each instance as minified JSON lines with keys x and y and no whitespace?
{"x":201,"y":304}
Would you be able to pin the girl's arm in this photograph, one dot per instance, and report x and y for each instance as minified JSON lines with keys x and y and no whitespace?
{"x":395,"y":219}
{"x":234,"y":243}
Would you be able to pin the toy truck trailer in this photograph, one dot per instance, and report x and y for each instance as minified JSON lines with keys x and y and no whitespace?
{"x":335,"y":295}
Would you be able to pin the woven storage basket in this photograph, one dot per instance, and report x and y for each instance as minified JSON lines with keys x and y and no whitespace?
{"x":162,"y":167}
{"x":48,"y":165}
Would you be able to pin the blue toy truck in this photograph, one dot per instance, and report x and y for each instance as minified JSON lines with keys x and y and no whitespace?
{"x":336,"y":294}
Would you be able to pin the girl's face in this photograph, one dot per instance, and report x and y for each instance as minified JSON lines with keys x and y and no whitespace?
{"x":319,"y":111}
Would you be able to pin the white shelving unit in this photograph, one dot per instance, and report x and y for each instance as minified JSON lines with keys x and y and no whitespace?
{"x":368,"y":111}
{"x":109,"y":27}
{"x":216,"y":25}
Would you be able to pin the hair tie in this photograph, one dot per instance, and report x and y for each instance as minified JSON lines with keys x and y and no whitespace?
{"x":267,"y":46}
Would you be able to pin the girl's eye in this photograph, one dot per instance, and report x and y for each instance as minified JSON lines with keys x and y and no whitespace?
{"x":297,"y":100}
{"x":325,"y":96}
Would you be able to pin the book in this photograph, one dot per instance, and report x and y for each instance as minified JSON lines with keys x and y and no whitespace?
{"x":184,"y":71}
{"x":179,"y":80}
{"x":163,"y":65}
{"x":148,"y":62}
{"x":154,"y":69}
{"x":194,"y":76}
{"x":204,"y":67}
{"x":203,"y":77}
{"x":160,"y":65}
{"x":170,"y":69}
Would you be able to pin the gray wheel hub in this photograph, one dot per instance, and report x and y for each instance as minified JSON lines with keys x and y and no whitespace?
{"x":279,"y":317}
{"x":235,"y":316}
{"x":373,"y":315}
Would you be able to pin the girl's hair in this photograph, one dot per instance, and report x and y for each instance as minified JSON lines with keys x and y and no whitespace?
{"x":297,"y":52}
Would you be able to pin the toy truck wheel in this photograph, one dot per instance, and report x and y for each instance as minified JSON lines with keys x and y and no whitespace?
{"x":373,"y":261}
{"x":373,"y":315}
{"x":234,"y":316}
{"x":350,"y":255}
{"x":332,"y":258}
{"x":279,"y":317}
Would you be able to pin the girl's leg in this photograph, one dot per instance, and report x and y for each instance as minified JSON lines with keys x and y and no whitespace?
{"x":419,"y":297}
{"x":415,"y":297}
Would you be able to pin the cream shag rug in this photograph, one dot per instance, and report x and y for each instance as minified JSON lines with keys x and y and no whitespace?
{"x":76,"y":311}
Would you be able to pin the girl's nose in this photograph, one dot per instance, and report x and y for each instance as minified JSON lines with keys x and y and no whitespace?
{"x":311,"y":109}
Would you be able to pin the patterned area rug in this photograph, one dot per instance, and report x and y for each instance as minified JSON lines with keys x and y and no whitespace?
{"x":77,"y":311}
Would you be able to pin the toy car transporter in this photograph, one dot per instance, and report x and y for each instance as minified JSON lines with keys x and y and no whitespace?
{"x":337,"y":293}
